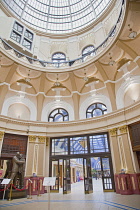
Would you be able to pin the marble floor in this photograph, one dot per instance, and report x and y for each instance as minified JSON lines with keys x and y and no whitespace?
{"x":77,"y":200}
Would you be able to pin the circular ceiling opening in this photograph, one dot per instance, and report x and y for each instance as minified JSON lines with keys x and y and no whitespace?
{"x":57,"y":16}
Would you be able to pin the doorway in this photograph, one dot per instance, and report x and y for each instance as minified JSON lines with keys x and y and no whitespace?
{"x":77,"y":158}
{"x":89,"y":174}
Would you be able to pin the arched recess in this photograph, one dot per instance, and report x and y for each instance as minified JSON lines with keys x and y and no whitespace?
{"x":57,"y":104}
{"x":123,"y":88}
{"x":9,"y":101}
{"x":19,"y":110}
{"x":94,"y":99}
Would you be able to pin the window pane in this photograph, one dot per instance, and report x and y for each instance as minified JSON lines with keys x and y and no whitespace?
{"x":28,"y":34}
{"x":97,"y":112}
{"x":58,"y":118}
{"x":59,"y":115}
{"x":18,"y":27}
{"x":60,"y":146}
{"x":98,"y":143}
{"x":27,"y":44}
{"x":78,"y":145}
{"x":15,"y":36}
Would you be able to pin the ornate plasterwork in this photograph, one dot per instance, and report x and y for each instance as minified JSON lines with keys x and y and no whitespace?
{"x":1,"y":135}
{"x":113,"y":132}
{"x":32,"y":139}
{"x":47,"y":141}
{"x":41,"y":139}
{"x":15,"y":99}
{"x":123,"y":129}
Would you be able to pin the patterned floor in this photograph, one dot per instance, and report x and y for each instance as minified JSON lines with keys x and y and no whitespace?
{"x":77,"y":200}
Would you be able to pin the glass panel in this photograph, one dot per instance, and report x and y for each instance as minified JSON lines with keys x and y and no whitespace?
{"x":58,"y":118}
{"x":96,"y":109}
{"x":58,"y":115}
{"x":97,"y":112}
{"x":57,"y":16}
{"x":98,"y":143}
{"x":28,"y":34}
{"x":78,"y":145}
{"x":60,"y":146}
{"x":106,"y":167}
{"x":87,"y":49}
{"x":54,"y":112}
{"x":27,"y":44}
{"x":15,"y":36}
{"x":64,"y":112}
{"x":89,"y":115}
{"x":108,"y":184}
{"x":58,"y":57}
{"x":18,"y":27}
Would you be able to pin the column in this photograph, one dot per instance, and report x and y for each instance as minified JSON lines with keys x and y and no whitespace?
{"x":125,"y":152}
{"x":115,"y":151}
{"x":1,"y":140}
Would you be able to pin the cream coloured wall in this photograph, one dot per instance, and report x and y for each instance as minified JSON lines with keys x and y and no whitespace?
{"x":19,"y":111}
{"x":132,"y":94}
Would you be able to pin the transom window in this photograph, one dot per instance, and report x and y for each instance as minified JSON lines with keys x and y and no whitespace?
{"x":96,"y":109}
{"x":98,"y":143}
{"x":58,"y":115}
{"x":74,"y":145}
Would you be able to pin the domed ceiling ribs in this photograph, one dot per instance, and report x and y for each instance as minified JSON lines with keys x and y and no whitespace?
{"x":40,"y":97}
{"x":127,"y":49}
{"x":4,"y":89}
{"x":71,"y":79}
{"x":58,"y":16}
{"x":75,"y":96}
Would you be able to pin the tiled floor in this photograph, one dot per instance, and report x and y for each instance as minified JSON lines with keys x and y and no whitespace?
{"x":77,"y":200}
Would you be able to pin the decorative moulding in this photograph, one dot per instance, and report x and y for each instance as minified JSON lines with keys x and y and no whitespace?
{"x":32,"y":139}
{"x":113,"y":132}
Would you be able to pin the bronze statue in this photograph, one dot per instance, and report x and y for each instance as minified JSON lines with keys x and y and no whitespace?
{"x":18,"y":169}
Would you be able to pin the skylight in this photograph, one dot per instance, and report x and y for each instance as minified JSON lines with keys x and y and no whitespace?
{"x":57,"y":16}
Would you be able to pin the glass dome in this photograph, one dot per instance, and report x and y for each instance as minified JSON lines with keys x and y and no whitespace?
{"x":57,"y":16}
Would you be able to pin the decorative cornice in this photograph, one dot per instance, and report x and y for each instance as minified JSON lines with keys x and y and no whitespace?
{"x":123,"y":129}
{"x":113,"y":132}
{"x":1,"y":135}
{"x":32,"y":139}
{"x":41,"y":139}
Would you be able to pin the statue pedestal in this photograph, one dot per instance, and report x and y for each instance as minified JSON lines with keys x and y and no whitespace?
{"x":16,"y":194}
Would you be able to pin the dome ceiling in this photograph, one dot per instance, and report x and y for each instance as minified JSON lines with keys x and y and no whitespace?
{"x":57,"y":16}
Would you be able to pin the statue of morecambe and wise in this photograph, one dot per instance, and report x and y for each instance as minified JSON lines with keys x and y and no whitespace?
{"x":18,"y":169}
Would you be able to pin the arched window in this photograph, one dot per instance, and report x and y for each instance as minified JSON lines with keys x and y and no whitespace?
{"x":96,"y":109}
{"x":58,"y":115}
{"x":89,"y":50}
{"x":58,"y":58}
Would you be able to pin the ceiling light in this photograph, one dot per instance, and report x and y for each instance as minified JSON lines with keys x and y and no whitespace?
{"x":57,"y":83}
{"x":111,"y":61}
{"x":132,"y":34}
{"x":85,"y":78}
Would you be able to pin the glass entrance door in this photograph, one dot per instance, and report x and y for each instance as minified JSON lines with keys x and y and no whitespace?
{"x":66,"y":176}
{"x":107,"y":174}
{"x":55,"y":172}
{"x":87,"y":175}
